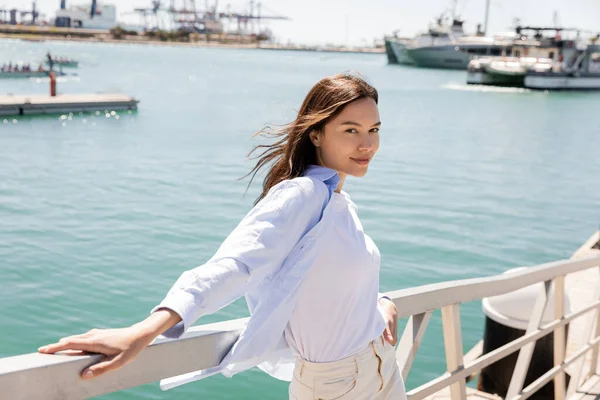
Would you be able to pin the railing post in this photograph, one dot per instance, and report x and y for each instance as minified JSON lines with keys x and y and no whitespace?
{"x":559,"y":337}
{"x":594,"y":369}
{"x":410,"y":341}
{"x":454,"y":348}
{"x":524,"y":358}
{"x":587,"y":334}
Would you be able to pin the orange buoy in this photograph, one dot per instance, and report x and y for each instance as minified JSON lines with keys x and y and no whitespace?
{"x":52,"y":84}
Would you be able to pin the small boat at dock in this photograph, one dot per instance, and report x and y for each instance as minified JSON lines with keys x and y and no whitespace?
{"x":28,"y":74}
{"x":12,"y":105}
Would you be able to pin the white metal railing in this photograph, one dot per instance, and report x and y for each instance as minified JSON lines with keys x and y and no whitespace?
{"x":450,"y":295}
{"x":52,"y":377}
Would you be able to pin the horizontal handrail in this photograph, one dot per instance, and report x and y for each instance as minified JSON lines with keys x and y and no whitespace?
{"x":57,"y":377}
{"x":431,"y":297}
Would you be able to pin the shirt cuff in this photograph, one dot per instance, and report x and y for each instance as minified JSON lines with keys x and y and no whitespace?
{"x":182,"y":303}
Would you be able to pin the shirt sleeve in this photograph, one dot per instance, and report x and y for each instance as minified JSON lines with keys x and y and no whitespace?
{"x":382,"y":296}
{"x":254,"y":250}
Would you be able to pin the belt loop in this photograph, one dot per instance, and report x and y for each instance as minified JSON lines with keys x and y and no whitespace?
{"x":374,"y":347}
{"x":301,"y":368}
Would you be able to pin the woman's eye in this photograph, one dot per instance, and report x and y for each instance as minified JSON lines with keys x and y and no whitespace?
{"x":351,"y":130}
{"x":374,"y":130}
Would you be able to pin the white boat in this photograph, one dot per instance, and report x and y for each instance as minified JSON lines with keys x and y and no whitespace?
{"x":439,"y":33}
{"x":503,"y":71}
{"x":583,"y":74}
{"x":445,"y":45}
{"x":564,"y":64}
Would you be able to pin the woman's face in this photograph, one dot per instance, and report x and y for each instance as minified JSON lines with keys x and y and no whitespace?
{"x":349,"y":141}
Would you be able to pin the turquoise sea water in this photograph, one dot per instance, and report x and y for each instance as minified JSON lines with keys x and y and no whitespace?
{"x":99,"y":215}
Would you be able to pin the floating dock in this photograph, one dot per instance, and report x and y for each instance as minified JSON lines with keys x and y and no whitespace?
{"x":11,"y":105}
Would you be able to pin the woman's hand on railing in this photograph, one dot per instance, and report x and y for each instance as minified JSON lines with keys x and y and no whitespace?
{"x":390,"y":313}
{"x":119,"y":346}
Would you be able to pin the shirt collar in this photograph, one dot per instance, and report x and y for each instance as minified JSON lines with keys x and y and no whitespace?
{"x":327,"y":175}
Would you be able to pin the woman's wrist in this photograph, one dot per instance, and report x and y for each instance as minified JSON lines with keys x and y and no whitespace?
{"x":157,"y":323}
{"x":382,"y":296}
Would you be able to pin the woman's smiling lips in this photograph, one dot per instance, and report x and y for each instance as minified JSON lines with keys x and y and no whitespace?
{"x":361,"y":161}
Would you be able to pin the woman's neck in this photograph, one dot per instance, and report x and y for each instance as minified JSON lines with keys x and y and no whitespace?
{"x":341,"y":184}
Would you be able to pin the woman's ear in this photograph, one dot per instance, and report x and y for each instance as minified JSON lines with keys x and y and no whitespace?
{"x":315,"y":137}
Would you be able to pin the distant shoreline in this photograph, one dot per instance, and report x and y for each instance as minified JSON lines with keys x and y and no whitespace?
{"x":41,"y":37}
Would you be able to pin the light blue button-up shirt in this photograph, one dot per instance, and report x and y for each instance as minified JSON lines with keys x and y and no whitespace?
{"x":265,"y":259}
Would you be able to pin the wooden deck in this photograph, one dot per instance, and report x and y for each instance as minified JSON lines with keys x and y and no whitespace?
{"x":43,"y":104}
{"x":472,"y":394}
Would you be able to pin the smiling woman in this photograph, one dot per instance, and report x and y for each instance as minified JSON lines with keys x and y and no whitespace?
{"x":332,"y":338}
{"x":350,"y":140}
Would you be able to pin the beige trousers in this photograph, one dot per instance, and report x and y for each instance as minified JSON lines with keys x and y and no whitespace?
{"x":371,"y":374}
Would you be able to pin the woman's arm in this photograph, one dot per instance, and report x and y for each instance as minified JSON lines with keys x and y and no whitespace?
{"x":388,"y":309}
{"x":253,"y":251}
{"x":120,"y":346}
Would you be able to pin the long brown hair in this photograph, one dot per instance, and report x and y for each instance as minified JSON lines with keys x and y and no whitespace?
{"x":293,"y":152}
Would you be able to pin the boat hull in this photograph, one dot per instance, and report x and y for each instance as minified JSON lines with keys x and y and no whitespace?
{"x":446,"y":57}
{"x":535,"y":81}
{"x":72,"y":64}
{"x":485,"y":78}
{"x":563,"y":82}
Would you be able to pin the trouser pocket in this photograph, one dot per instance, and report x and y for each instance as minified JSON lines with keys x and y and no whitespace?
{"x":334,"y":388}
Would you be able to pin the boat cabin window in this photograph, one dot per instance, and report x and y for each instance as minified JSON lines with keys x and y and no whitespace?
{"x":551,"y":55}
{"x":63,"y":22}
{"x":517,"y":53}
{"x":479,"y":51}
{"x":594,"y":65}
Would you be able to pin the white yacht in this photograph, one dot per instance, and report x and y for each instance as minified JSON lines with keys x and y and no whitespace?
{"x":582,"y":74}
{"x":439,"y":33}
{"x":455,"y":52}
{"x":446,"y":45}
{"x":543,"y":63}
